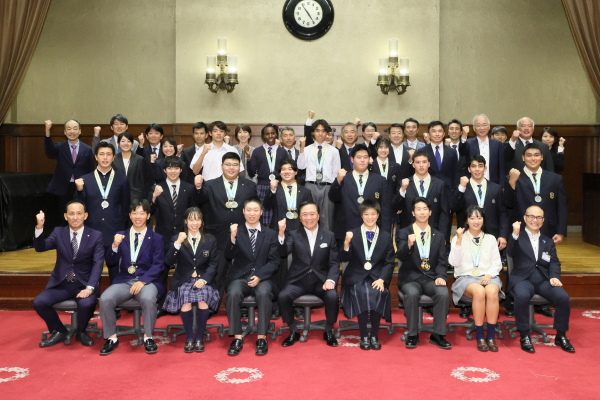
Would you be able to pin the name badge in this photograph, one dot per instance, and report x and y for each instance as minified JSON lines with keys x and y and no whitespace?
{"x":546,"y":257}
{"x":323,"y":245}
{"x":205,"y":253}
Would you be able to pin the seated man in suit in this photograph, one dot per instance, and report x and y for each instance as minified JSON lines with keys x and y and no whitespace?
{"x":315,"y":269}
{"x":140,"y":253}
{"x":491,"y":149}
{"x":423,"y":271}
{"x":411,"y":129}
{"x":190,"y":155}
{"x":515,"y":147}
{"x":536,"y":270}
{"x":73,"y":160}
{"x":106,"y":195}
{"x":118,"y":124}
{"x":253,"y":249}
{"x":76,"y":275}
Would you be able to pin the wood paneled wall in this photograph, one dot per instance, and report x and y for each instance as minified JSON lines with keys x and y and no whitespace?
{"x":23,"y":151}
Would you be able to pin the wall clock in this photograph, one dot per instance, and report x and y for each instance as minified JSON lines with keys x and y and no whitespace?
{"x":308,"y":19}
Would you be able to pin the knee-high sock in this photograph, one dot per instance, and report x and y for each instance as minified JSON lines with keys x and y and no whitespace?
{"x":491,"y":331}
{"x":375,"y":320}
{"x":188,"y":324}
{"x":201,"y":318}
{"x":363,"y":320}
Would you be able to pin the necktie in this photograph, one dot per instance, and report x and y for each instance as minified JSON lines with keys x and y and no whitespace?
{"x":350,"y":161}
{"x":117,"y":146}
{"x":155,"y":150}
{"x":526,"y":142}
{"x":253,"y":239}
{"x":479,"y":192}
{"x":422,"y":184}
{"x":320,"y":153}
{"x":290,"y":189}
{"x":174,"y":195}
{"x":534,"y":178}
{"x":74,"y":244}
{"x":74,"y":152}
{"x":423,"y":237}
{"x":383,"y":166}
{"x":136,"y":241}
{"x":360,"y":180}
{"x":290,"y":153}
{"x":194,"y":242}
{"x":370,"y":235}
{"x":476,"y":240}
{"x":438,"y":157}
{"x":270,"y":154}
{"x":454,"y":147}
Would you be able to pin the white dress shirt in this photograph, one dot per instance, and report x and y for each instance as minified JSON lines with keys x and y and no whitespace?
{"x":397,"y":152}
{"x":199,"y":150}
{"x":484,"y":151}
{"x":211,"y":167}
{"x":170,"y":186}
{"x":331,"y":163}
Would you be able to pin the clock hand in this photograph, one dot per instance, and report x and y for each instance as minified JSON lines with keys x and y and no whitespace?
{"x":308,"y":14}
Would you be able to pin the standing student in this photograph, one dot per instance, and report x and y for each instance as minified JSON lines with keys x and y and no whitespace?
{"x":383,"y":165}
{"x":195,"y":254}
{"x":118,"y":124}
{"x":370,"y":255}
{"x":491,"y":149}
{"x":242,"y":135}
{"x":499,"y":133}
{"x":556,"y":144}
{"x":131,"y":165}
{"x":213,"y":152}
{"x":190,"y":155}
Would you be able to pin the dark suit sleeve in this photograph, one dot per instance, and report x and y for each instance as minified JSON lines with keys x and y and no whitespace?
{"x":211,"y":271}
{"x":510,"y":195}
{"x":41,"y":243}
{"x":335,"y":192}
{"x":171,"y":256}
{"x":95,"y":142}
{"x":96,"y":273}
{"x":125,"y":199}
{"x":554,"y":267}
{"x":455,"y":170}
{"x":548,"y":160}
{"x":334,"y":263}
{"x":140,"y":151}
{"x":458,"y":200}
{"x":511,"y":247}
{"x":501,"y":165}
{"x":110,"y":256}
{"x":50,"y":148}
{"x":308,"y":135}
{"x":463,"y":148}
{"x":441,"y":269}
{"x":345,"y":255}
{"x":503,"y":214}
{"x":559,"y":161}
{"x":252,"y":164}
{"x":386,"y":271}
{"x":270,"y":268}
{"x":386,"y":206}
{"x":562,"y":209}
{"x":287,"y":246}
{"x":445,"y":214}
{"x":231,"y":250}
{"x":158,"y":260}
{"x":402,"y":245}
{"x":81,"y":195}
{"x":398,"y":201}
{"x":270,"y":201}
{"x":509,"y":152}
{"x":202,"y":194}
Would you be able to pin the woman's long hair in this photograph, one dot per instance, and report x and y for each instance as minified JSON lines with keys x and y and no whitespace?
{"x":475,"y":210}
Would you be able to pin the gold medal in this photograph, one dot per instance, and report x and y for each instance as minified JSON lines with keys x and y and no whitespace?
{"x":475,"y":271}
{"x":425,"y":264}
{"x":131,"y":269}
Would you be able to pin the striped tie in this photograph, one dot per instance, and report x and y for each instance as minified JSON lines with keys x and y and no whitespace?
{"x":136,"y":240}
{"x":253,"y":239}
{"x":174,"y":195}
{"x":74,"y":244}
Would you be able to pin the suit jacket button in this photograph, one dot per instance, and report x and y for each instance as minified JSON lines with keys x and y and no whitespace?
{"x":102,"y":219}
{"x":175,"y":215}
{"x":194,"y":259}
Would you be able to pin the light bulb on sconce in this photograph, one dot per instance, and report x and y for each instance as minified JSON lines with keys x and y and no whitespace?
{"x":392,"y":81}
{"x":221,"y":80}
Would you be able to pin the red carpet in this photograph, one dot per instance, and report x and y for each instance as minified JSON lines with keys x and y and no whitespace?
{"x":304,"y":371}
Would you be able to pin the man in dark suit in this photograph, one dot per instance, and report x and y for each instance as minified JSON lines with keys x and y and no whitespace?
{"x":253,"y":249}
{"x":105,"y":193}
{"x":288,"y":141}
{"x":536,"y":270}
{"x":73,"y":160}
{"x":118,"y":124}
{"x":423,"y":271}
{"x":444,"y":163}
{"x":422,"y":184}
{"x":76,"y":275}
{"x":455,"y":131}
{"x":491,"y":149}
{"x":349,"y":138}
{"x":350,"y":190}
{"x":190,"y":155}
{"x":223,"y":197}
{"x":314,"y":270}
{"x":140,"y":253}
{"x":398,"y":153}
{"x":153,"y":134}
{"x":515,"y":147}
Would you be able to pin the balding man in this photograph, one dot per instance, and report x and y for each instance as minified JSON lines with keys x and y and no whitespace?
{"x":537,"y":271}
{"x":514,"y":148}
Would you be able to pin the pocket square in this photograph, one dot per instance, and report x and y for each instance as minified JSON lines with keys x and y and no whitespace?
{"x":323,"y":245}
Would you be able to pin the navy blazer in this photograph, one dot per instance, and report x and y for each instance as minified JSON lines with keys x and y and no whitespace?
{"x":265,"y":261}
{"x":149,"y":263}
{"x":382,"y":260}
{"x":301,"y":176}
{"x":169,"y":218}
{"x":449,"y":172}
{"x":406,"y":168}
{"x":494,"y":207}
{"x":439,"y":199}
{"x":187,"y":155}
{"x":345,"y":158}
{"x":88,"y":263}
{"x":495,"y":164}
{"x":346,"y":193}
{"x":323,"y":262}
{"x":410,"y":268}
{"x":136,"y":173}
{"x":204,"y":262}
{"x":259,"y":166}
{"x":219,"y":218}
{"x":514,"y":157}
{"x":278,"y":204}
{"x":524,"y":261}
{"x":106,"y":220}
{"x":554,"y":201}
{"x":65,"y":168}
{"x":158,"y":172}
{"x":394,"y":175}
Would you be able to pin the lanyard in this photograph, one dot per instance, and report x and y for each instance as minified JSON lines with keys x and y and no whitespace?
{"x":271,"y":159}
{"x":319,"y":165}
{"x":426,"y":183}
{"x":475,"y":249}
{"x":537,"y":181}
{"x":194,"y":245}
{"x":133,"y":251}
{"x":480,"y":200}
{"x":290,"y":198}
{"x":104,"y":192}
{"x":361,"y":188}
{"x":424,"y":248}
{"x":230,"y":190}
{"x":368,"y":250}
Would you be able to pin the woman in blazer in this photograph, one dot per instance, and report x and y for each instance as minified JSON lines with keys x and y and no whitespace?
{"x":557,"y":147}
{"x":383,"y":166}
{"x":242,"y":134}
{"x":194,"y":255}
{"x":168,"y":147}
{"x":364,"y":292}
{"x":130,"y":164}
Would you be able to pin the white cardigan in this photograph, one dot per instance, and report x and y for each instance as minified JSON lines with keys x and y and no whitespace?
{"x":460,"y":256}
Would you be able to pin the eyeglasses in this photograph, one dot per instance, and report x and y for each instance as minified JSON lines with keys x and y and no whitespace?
{"x":535,"y":217}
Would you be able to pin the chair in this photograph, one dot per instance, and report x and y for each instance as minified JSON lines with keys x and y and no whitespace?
{"x":250,"y":326}
{"x":137,"y":329}
{"x":182,"y":331}
{"x":469,"y":323}
{"x":424,"y":301}
{"x":71,"y":306}
{"x":307,"y":301}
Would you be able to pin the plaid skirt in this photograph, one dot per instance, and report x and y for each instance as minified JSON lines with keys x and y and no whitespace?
{"x":261,"y":190}
{"x":187,"y":293}
{"x":363,"y":297}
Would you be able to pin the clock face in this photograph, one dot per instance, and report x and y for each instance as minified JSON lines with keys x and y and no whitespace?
{"x":308,"y":19}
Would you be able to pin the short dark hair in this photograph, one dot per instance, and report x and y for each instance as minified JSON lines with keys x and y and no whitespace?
{"x":500,"y":129}
{"x":382,"y":141}
{"x":323,"y":123}
{"x":553,"y":132}
{"x":269,"y":125}
{"x":369,"y":124}
{"x":455,"y":121}
{"x":470,"y":211}
{"x":420,"y":153}
{"x":74,"y":202}
{"x":135,"y":203}
{"x":420,"y":199}
{"x":478,"y":158}
{"x":241,"y":127}
{"x":172,"y":161}
{"x":368,"y":204}
{"x":126,"y":135}
{"x":219,"y":124}
{"x":200,"y":125}
{"x":308,"y":203}
{"x":230,"y":155}
{"x":169,"y":140}
{"x":289,"y":161}
{"x":533,"y":145}
{"x":103,"y":144}
{"x":156,"y":127}
{"x":357,"y":148}
{"x":411,"y":120}
{"x":253,"y":199}
{"x":120,"y":118}
{"x":436,"y":123}
{"x":396,"y":125}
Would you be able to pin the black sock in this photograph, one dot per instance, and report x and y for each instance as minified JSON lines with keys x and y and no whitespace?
{"x":479,"y":332}
{"x":201,"y":318}
{"x":524,"y":334}
{"x":375,"y":320}
{"x":188,"y":324}
{"x":363,"y":320}
{"x":293,"y":326}
{"x":561,"y":333}
{"x":328,"y":327}
{"x":491,"y":331}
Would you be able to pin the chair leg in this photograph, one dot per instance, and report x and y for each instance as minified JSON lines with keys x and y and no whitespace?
{"x":251,"y":327}
{"x":306,"y":328}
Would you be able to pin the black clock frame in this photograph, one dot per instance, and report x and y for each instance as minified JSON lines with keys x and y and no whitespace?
{"x":305,"y":33}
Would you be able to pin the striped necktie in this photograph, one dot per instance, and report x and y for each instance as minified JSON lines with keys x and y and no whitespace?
{"x":253,"y":239}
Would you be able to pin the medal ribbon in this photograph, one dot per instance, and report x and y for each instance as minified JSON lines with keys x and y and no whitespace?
{"x":426,"y":183}
{"x":368,"y":251}
{"x":361,"y":188}
{"x":194,"y":243}
{"x":383,"y":171}
{"x":480,"y":200}
{"x":424,"y":248}
{"x":290,"y":198}
{"x":537,"y":181}
{"x":230,"y":191}
{"x":133,"y":251}
{"x":271,"y":159}
{"x":475,"y":249}
{"x":104,"y":192}
{"x":319,"y":165}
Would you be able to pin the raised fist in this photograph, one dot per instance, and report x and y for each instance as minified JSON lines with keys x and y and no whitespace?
{"x":198,"y":180}
{"x":375,"y":135}
{"x":278,"y":142}
{"x":405,"y":183}
{"x":226,"y":139}
{"x":302,"y":142}
{"x":141,"y":139}
{"x":465,"y":131}
{"x":513,"y":174}
{"x":282,"y":226}
{"x":79,"y":184}
{"x":411,"y":240}
{"x":157,"y":191}
{"x":118,"y":239}
{"x":426,"y":137}
{"x":515,"y":135}
{"x":40,"y":219}
{"x":153,"y":158}
{"x":349,"y":236}
{"x":179,"y":148}
{"x":311,"y":114}
{"x":459,"y":232}
{"x":464,"y":181}
{"x":410,"y":153}
{"x":274,"y":184}
{"x":233,"y":228}
{"x":341,"y":174}
{"x":247,"y":150}
{"x":339,"y":143}
{"x":357,"y":121}
{"x":97,"y":131}
{"x":447,"y":141}
{"x":561,"y":141}
{"x":181,"y":238}
{"x":516,"y":227}
{"x":207,"y":148}
{"x":48,"y":125}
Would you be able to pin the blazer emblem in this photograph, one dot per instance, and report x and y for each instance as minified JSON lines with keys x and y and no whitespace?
{"x":551,"y":195}
{"x":323,"y":245}
{"x":493,"y":201}
{"x":376,"y":195}
{"x":205,"y":253}
{"x":393,"y":177}
{"x":435,"y":200}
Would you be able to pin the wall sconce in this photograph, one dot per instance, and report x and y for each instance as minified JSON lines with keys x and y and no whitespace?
{"x":393,"y":71}
{"x":226,"y":81}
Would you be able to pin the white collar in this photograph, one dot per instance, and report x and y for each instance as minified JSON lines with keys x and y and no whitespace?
{"x":257,"y":226}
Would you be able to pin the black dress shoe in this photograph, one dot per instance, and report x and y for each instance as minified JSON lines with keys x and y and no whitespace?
{"x":439,"y":341}
{"x":365,"y":343}
{"x":375,"y":343}
{"x":329,"y":337}
{"x":275,"y":314}
{"x":118,"y":314}
{"x":84,"y":338}
{"x":56,"y":338}
{"x":465,"y":312}
{"x":108,"y":347}
{"x":564,"y":343}
{"x":235,"y":347}
{"x":509,"y":313}
{"x":262,"y":347}
{"x":290,"y":340}
{"x":189,"y":346}
{"x":161,"y":313}
{"x":150,"y":346}
{"x":526,"y":344}
{"x":198,"y":346}
{"x":545,"y":311}
{"x":412,"y":341}
{"x":299,"y":313}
